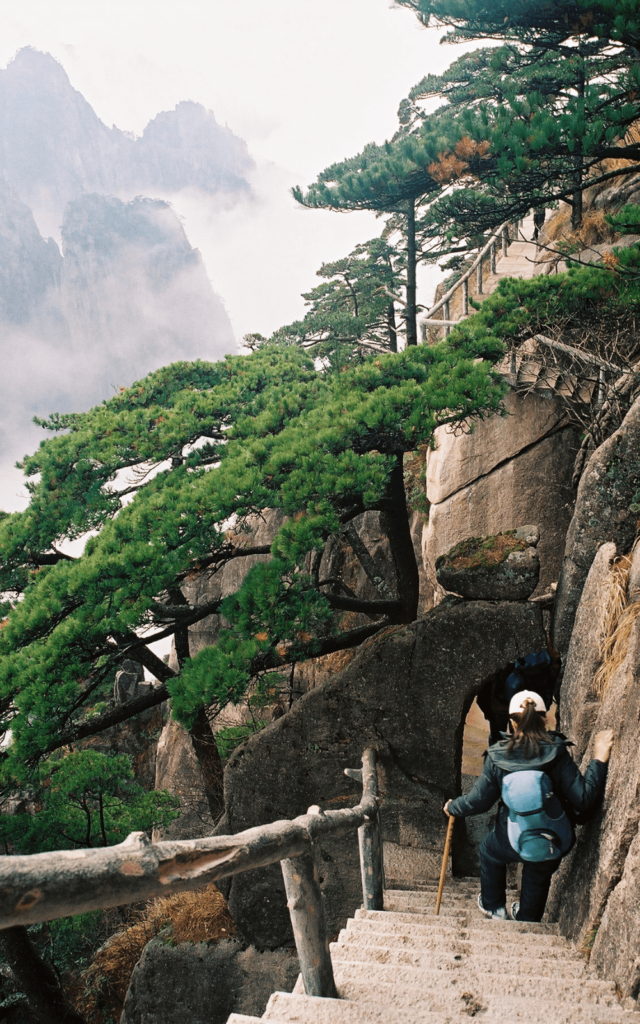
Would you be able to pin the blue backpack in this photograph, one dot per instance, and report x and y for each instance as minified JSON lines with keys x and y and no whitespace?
{"x":538,"y":827}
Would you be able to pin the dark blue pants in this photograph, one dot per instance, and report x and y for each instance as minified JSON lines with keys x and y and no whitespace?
{"x":495,"y":853}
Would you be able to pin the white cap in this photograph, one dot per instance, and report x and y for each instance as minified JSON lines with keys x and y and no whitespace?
{"x":517,"y":703}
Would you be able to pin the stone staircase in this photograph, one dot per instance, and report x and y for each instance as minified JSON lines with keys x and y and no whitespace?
{"x":403,"y":965}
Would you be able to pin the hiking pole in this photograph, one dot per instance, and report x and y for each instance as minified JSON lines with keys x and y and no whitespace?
{"x":445,"y":857}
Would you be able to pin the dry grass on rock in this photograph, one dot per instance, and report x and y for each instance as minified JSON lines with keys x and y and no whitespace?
{"x":198,"y":916}
{"x":616,"y":623}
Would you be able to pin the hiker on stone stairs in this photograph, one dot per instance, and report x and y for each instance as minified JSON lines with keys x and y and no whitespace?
{"x":532,"y":774}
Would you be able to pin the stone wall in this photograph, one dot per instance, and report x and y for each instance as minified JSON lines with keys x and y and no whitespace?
{"x":595,"y":895}
{"x":406,"y":692}
{"x":606,"y":510}
{"x":510,"y":470}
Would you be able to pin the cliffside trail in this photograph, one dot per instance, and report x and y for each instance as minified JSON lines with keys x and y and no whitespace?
{"x":403,"y":965}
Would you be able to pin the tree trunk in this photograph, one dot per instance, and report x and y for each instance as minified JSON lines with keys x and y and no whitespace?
{"x":412,"y":327}
{"x":396,"y":521}
{"x":206,"y":750}
{"x":576,"y":199}
{"x":37,"y":979}
{"x":391,"y":327}
{"x":202,"y":738}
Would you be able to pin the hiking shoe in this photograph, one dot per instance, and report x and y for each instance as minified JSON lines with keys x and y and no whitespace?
{"x":515,"y":907}
{"x":496,"y":915}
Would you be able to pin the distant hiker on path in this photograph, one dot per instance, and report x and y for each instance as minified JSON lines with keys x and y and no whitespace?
{"x":538,"y":221}
{"x":537,"y":783}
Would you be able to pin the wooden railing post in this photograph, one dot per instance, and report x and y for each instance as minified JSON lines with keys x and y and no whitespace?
{"x":447,"y":316}
{"x":505,"y":240}
{"x":370,"y":839}
{"x":465,"y":297}
{"x":493,"y":258}
{"x":479,"y":278}
{"x":304,"y":900}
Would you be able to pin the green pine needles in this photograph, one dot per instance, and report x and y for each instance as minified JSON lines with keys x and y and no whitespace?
{"x":161,"y":473}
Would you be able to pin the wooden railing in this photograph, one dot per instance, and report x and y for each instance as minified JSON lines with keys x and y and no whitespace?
{"x":44,"y":886}
{"x":501,"y":236}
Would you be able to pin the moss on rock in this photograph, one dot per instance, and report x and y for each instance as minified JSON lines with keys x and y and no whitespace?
{"x":482,"y":552}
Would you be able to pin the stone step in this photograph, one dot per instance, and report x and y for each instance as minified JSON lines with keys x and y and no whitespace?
{"x":464,"y":887}
{"x":448,"y":960}
{"x":297,"y":1009}
{"x":431,"y":921}
{"x":427,"y":908}
{"x":397,"y":898}
{"x":241,"y":1018}
{"x":476,"y":940}
{"x":419,"y":903}
{"x":536,"y":947}
{"x":450,"y":899}
{"x":503,"y":1010}
{"x":444,"y":986}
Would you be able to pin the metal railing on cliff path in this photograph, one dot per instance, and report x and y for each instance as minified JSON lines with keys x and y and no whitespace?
{"x":44,"y":886}
{"x":500,"y":236}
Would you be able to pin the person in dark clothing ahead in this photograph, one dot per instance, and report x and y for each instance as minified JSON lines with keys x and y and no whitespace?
{"x":539,"y":788}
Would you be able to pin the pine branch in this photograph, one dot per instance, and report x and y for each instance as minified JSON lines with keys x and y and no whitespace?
{"x":266,"y":660}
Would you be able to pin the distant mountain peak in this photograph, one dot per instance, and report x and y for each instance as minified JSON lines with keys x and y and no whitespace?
{"x":54,"y":147}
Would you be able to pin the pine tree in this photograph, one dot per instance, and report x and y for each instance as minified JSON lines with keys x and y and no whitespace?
{"x":158,"y":473}
{"x":525,"y":124}
{"x":558,"y":98}
{"x":392,"y":179}
{"x":543,"y":23}
{"x":545,"y":121}
{"x":352,"y":310}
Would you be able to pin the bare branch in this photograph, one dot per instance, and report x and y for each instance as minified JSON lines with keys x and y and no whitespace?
{"x":576,"y":353}
{"x":355,"y":604}
{"x":222,"y":555}
{"x":262,"y":662}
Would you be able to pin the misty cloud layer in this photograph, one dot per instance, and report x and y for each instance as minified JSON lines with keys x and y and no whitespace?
{"x":129,"y":294}
{"x":124,"y":292}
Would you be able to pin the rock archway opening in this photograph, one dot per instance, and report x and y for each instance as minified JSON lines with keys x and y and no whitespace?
{"x":477,"y":733}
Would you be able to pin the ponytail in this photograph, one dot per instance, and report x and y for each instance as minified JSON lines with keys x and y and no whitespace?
{"x":530,"y":731}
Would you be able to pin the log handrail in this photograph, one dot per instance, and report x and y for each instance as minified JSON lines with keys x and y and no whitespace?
{"x":44,"y":886}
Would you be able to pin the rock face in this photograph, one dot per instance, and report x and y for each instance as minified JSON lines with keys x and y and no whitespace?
{"x":138,"y":738}
{"x":30,"y":267}
{"x":501,"y":568}
{"x":203,"y":984}
{"x":580,"y":704}
{"x":134,"y":293}
{"x":178,"y":771}
{"x":594,"y":895}
{"x":513,"y":469}
{"x":459,"y":459}
{"x":406,"y":692}
{"x":606,"y":510}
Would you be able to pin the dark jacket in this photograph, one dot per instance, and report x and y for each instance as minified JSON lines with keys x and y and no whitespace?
{"x":572,"y":789}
